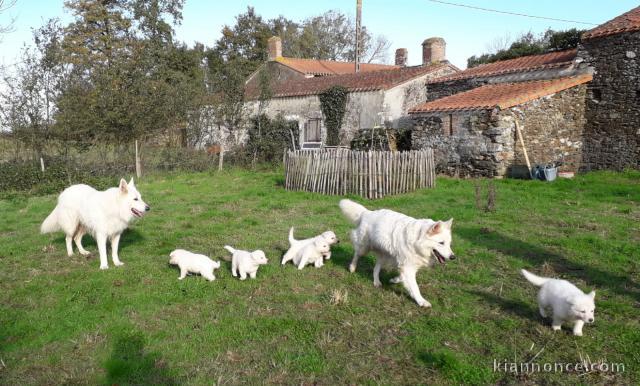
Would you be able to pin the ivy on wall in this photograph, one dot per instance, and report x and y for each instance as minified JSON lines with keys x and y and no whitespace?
{"x":333,"y":103}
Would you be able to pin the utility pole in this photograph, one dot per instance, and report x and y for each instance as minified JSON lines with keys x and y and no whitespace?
{"x":358,"y":30}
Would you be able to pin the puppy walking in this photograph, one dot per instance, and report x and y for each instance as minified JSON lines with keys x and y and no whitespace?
{"x":190,"y":262}
{"x":103,"y":214}
{"x":398,"y":241}
{"x":312,"y":253}
{"x":295,"y":246}
{"x":245,"y":263}
{"x":566,"y":302}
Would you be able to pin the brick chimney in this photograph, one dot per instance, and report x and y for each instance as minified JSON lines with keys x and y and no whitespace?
{"x":401,"y":57}
{"x":275,"y":47}
{"x":433,"y":51}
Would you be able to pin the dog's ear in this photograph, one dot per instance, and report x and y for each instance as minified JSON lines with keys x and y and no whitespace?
{"x":449,"y":223}
{"x":124,"y":188}
{"x":131,"y":182}
{"x":435,"y":228}
{"x":592,"y":294}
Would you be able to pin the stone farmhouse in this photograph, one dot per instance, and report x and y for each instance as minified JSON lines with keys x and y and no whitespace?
{"x":378,"y":94}
{"x":579,"y":106}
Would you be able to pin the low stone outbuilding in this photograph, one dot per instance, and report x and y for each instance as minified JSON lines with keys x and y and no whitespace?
{"x":473,"y":133}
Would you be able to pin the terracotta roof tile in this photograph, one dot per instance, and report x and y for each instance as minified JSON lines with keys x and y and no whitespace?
{"x":627,"y":22}
{"x":500,"y":95}
{"x":328,"y":67}
{"x":522,"y":64}
{"x":363,"y":81}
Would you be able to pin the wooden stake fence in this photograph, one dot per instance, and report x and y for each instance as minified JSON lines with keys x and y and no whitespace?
{"x":370,"y":174}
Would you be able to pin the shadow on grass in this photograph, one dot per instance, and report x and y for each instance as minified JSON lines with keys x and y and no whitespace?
{"x":514,"y":307}
{"x":130,"y":364}
{"x":537,"y":255}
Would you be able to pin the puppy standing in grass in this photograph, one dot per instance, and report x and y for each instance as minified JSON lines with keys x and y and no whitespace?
{"x":312,"y":253}
{"x":193,"y":263}
{"x":245,"y":263}
{"x":295,"y":246}
{"x":566,"y":302}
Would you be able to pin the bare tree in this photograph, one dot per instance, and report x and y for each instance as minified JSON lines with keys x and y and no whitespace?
{"x":5,"y":5}
{"x":378,"y":51}
{"x":499,"y":43}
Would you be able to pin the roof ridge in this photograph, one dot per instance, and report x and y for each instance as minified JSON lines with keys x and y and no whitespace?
{"x":506,"y":65}
{"x":619,"y":24}
{"x":502,"y":95}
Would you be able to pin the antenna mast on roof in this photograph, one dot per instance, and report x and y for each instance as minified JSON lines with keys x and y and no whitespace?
{"x":358,"y":25}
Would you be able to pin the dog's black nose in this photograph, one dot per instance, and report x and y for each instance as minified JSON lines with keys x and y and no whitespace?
{"x":147,"y":208}
{"x":452,"y":257}
{"x":590,"y":320}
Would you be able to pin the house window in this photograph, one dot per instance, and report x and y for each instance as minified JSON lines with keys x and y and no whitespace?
{"x":596,"y":94}
{"x":312,"y":132}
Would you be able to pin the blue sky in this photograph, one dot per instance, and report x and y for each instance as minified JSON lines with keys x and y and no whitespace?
{"x":406,"y":23}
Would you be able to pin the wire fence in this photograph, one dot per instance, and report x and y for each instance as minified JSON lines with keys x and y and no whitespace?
{"x":370,"y":174}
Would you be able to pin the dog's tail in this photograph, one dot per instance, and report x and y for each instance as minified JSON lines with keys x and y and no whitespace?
{"x":291,"y":238}
{"x":231,"y":250}
{"x":352,"y":210}
{"x":533,"y":279}
{"x":51,"y":224}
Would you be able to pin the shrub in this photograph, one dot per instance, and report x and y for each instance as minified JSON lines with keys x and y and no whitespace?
{"x":380,"y":138}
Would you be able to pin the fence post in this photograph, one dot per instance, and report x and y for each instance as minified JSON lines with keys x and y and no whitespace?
{"x":42,"y":165}
{"x":138,"y":166}
{"x":221,"y":158}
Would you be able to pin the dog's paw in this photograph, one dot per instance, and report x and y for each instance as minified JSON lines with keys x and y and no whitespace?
{"x":423,"y":303}
{"x":118,"y":263}
{"x":396,"y":280}
{"x":577,"y":333}
{"x":377,"y":284}
{"x":104,"y":267}
{"x":556,"y":328}
{"x":352,"y":268}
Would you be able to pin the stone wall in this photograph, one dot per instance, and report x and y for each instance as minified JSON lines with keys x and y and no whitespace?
{"x":479,"y":145}
{"x":612,"y":133}
{"x":553,"y":128}
{"x":484,"y":143}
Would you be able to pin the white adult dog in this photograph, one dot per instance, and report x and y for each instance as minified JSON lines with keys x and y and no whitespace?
{"x":295,"y":246}
{"x":312,"y":253}
{"x":566,"y":302}
{"x":103,"y":214}
{"x":245,"y":263}
{"x":398,"y":241}
{"x":190,"y":262}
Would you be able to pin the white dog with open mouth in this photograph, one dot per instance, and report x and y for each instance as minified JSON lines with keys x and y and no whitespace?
{"x":312,"y":253}
{"x":295,"y":246}
{"x":190,"y":262}
{"x":103,"y":214}
{"x":566,"y":302}
{"x":398,"y":241}
{"x":245,"y":263}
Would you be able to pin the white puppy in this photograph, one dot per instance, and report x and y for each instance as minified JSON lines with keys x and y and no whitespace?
{"x":193,"y":263}
{"x":295,"y":246}
{"x":566,"y":302}
{"x":312,"y":253}
{"x":244,"y":262}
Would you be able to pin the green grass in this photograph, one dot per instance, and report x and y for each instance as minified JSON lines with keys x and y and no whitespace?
{"x":64,"y":321}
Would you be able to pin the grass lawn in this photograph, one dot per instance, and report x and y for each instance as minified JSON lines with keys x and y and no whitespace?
{"x":62,"y":320}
